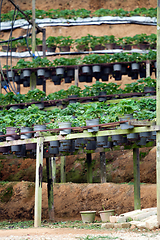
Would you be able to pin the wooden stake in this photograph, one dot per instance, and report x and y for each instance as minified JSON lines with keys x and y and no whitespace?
{"x":76,"y":76}
{"x":63,"y":169}
{"x":103,"y":167}
{"x":89,"y":168}
{"x":148,"y":68}
{"x":32,"y":81}
{"x":38,"y":183}
{"x":54,"y":169}
{"x":136,"y":169}
{"x":158,"y":111}
{"x":49,"y":168}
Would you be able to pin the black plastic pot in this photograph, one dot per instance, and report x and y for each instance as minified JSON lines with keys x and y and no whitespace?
{"x":72,"y":101}
{"x":39,"y":81}
{"x":117,"y":76}
{"x":26,"y":82}
{"x":149,"y":89}
{"x":88,"y":78}
{"x":102,"y":99}
{"x":68,"y":80}
{"x":105,"y":78}
{"x":82,"y":78}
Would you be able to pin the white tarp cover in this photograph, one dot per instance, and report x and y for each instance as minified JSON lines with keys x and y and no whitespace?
{"x":27,"y":54}
{"x":21,"y":23}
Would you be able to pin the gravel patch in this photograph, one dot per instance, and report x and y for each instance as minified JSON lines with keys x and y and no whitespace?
{"x":119,"y":235}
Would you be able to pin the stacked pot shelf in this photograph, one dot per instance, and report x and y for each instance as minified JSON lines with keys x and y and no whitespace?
{"x":85,"y":72}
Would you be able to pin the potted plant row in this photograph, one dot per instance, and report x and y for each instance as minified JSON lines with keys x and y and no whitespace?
{"x":82,"y":13}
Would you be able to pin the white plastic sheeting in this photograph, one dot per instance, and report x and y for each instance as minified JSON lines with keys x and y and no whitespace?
{"x":27,"y":54}
{"x":21,"y":23}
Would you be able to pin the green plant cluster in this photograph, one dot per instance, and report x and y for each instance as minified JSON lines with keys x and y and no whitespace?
{"x":82,"y":13}
{"x":94,"y":90}
{"x":89,"y":41}
{"x":141,"y":109}
{"x":88,"y":59}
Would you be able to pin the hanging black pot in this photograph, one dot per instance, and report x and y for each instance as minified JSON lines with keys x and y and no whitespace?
{"x":65,"y":146}
{"x":102,"y":99}
{"x":26,"y":82}
{"x":80,"y":143}
{"x":88,"y":78}
{"x":39,"y":81}
{"x":91,"y":145}
{"x":54,"y":144}
{"x":60,"y":71}
{"x":117,"y":76}
{"x":117,"y":67}
{"x":135,"y":67}
{"x":26,"y":73}
{"x":56,"y":80}
{"x":86,"y":70}
{"x":124,"y":69}
{"x":142,"y":71}
{"x":40,"y":72}
{"x":82,"y":78}
{"x":25,"y":135}
{"x":53,"y":150}
{"x":149,"y":89}
{"x":93,"y":122}
{"x":96,"y":69}
{"x":10,"y":75}
{"x":97,"y":75}
{"x":134,"y":75}
{"x":102,"y":141}
{"x":18,"y":80}
{"x":132,"y":136}
{"x":72,"y":100}
{"x":109,"y":145}
{"x":47,"y":74}
{"x":70,"y":72}
{"x":107,"y":70}
{"x":68,"y":80}
{"x":105,"y":78}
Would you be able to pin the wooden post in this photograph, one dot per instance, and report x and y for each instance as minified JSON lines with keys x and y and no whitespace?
{"x":147,"y":68}
{"x":158,"y":112}
{"x":38,"y":183}
{"x":33,"y":26}
{"x":63,"y":169}
{"x":103,"y":167}
{"x":76,"y":76}
{"x":32,"y":81}
{"x":33,"y":76}
{"x":137,"y":199}
{"x":49,"y":168}
{"x":44,"y":42}
{"x":89,"y":168}
{"x":54,"y":169}
{"x":0,"y":83}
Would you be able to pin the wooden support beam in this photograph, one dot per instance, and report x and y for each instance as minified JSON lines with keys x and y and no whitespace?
{"x":38,"y":183}
{"x":147,"y":68}
{"x":76,"y":76}
{"x":32,"y":81}
{"x":50,"y":179}
{"x":136,"y":169}
{"x":89,"y":167}
{"x":54,"y":169}
{"x":103,"y":167}
{"x":44,"y":42}
{"x":63,"y":169}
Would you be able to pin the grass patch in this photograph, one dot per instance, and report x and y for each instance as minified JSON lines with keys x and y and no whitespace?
{"x":15,"y":225}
